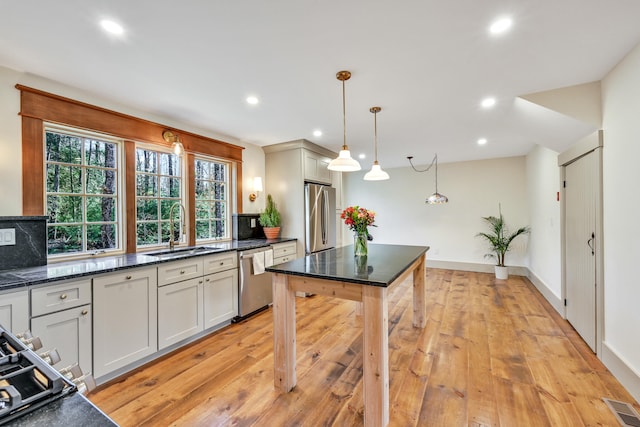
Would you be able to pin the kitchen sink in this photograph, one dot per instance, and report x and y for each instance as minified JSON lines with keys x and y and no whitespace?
{"x":176,"y":252}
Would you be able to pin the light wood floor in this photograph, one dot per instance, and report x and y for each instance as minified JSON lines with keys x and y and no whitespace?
{"x":492,"y":354}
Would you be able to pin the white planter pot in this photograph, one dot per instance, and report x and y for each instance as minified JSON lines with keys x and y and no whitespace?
{"x":502,"y":273}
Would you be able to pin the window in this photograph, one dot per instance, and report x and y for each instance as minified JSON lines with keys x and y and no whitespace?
{"x":82,"y":196}
{"x":158,"y":188}
{"x":212,"y":199}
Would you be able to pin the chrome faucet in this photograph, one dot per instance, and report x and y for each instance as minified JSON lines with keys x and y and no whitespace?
{"x":173,"y":243}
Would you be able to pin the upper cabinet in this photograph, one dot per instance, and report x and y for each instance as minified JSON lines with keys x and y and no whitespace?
{"x":315,"y":167}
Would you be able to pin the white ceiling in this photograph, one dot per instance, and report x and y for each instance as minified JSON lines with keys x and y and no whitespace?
{"x":427,"y":63}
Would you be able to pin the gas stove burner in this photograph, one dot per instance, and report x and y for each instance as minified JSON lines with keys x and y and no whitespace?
{"x":26,"y":381}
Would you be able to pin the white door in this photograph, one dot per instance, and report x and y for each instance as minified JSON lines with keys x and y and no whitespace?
{"x":581,"y":198}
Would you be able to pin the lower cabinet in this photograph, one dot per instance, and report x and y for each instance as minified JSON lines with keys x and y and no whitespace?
{"x":220,"y":297}
{"x":69,"y":331}
{"x":180,"y":311}
{"x":125,"y":314}
{"x":14,"y":311}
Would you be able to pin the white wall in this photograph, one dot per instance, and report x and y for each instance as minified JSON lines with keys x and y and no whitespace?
{"x":621,"y":175}
{"x":543,"y":185}
{"x":11,"y":140}
{"x":474,"y":190}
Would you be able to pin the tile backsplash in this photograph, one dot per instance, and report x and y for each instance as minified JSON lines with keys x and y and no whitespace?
{"x":30,"y":248}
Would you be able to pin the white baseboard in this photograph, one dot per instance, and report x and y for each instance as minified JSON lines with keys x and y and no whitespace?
{"x":554,"y":300}
{"x":476,"y":267}
{"x":620,"y":369}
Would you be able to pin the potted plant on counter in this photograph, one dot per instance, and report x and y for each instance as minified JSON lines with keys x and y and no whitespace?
{"x":500,"y":239}
{"x":270,"y":219}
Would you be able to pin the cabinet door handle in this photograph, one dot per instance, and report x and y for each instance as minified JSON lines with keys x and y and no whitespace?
{"x":207,"y":279}
{"x":84,"y":312}
{"x":199,"y":281}
{"x":222,"y":263}
{"x":128,"y":277}
{"x":181,"y":271}
{"x":63,"y":296}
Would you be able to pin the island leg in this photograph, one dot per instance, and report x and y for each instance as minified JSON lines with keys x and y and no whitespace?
{"x":376,"y":356}
{"x":284,"y":333}
{"x":420,"y":294}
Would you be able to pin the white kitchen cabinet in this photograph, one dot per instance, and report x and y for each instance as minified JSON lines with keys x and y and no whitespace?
{"x":176,"y":271}
{"x":220,"y":297}
{"x":125,"y":314}
{"x":315,"y":167}
{"x":220,"y":262}
{"x":180,"y":311}
{"x":283,"y":252}
{"x":14,"y":311}
{"x":69,"y":332}
{"x":60,"y":296}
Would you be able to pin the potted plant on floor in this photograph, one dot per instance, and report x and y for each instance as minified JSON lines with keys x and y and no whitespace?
{"x":500,"y":239}
{"x":270,"y":219}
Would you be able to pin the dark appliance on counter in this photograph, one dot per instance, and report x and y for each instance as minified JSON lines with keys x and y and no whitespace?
{"x":27,"y":382}
{"x":247,"y":226}
{"x":320,"y":221}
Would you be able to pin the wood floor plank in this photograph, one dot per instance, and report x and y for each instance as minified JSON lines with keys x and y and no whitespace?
{"x":492,"y":353}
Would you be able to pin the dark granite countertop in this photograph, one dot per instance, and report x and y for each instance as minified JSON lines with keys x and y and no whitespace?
{"x":381,"y":267}
{"x":73,"y":410}
{"x":14,"y":279}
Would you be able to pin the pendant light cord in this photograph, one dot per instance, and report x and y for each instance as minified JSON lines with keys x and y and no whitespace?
{"x":434,"y":161}
{"x":344,"y":120}
{"x":375,"y":137}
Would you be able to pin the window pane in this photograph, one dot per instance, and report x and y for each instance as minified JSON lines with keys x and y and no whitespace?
{"x":203,"y":210}
{"x":147,"y":209}
{"x":169,"y":164}
{"x":147,"y":185}
{"x":147,"y":233}
{"x":169,"y":187}
{"x":202,"y":170}
{"x":202,"y":230}
{"x":64,"y":179}
{"x":64,"y":209}
{"x":219,"y":210}
{"x":100,"y":181}
{"x":219,"y":191}
{"x":146,"y":161}
{"x":99,"y":153}
{"x":177,"y":232}
{"x":165,"y":208}
{"x":203,"y":189}
{"x":101,"y":236}
{"x":219,"y":171}
{"x":64,"y":239}
{"x":101,"y":209}
{"x":63,"y":148}
{"x":219,"y":229}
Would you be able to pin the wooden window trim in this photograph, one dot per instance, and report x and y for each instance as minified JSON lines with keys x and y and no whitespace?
{"x":38,"y":107}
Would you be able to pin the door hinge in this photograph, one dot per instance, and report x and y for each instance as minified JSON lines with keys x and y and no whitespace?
{"x":565,"y":302}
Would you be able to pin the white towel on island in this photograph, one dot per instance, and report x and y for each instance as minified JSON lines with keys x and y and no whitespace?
{"x":258,"y":263}
{"x":268,"y":258}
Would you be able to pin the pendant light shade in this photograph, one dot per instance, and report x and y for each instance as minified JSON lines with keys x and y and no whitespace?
{"x":376,"y":173}
{"x":344,"y":162}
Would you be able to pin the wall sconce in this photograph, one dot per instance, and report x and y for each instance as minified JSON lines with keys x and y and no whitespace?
{"x":436,"y":198}
{"x":257,"y":188}
{"x":174,"y":139}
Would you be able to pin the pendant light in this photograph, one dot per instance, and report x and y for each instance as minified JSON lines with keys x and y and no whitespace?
{"x":344,"y":162}
{"x":436,"y":198}
{"x":376,"y":173}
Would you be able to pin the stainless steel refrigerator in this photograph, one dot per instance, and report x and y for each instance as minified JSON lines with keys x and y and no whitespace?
{"x":320,"y":219}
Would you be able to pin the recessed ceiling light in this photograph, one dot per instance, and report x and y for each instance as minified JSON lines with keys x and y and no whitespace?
{"x":252,"y":100}
{"x":111,"y":27}
{"x":317,"y":133}
{"x":500,"y":26}
{"x":362,"y":156}
{"x":488,"y":102}
{"x":482,"y":141}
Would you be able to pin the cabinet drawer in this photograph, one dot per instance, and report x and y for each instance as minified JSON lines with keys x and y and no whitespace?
{"x":284,"y":249}
{"x":177,"y":271}
{"x":283,"y":259}
{"x":52,"y":298}
{"x":220,"y":262}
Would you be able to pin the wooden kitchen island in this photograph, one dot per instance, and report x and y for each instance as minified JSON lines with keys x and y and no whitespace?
{"x":337,"y":273}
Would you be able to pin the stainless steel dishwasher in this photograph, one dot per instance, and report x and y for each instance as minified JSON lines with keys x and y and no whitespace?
{"x":254,"y":293}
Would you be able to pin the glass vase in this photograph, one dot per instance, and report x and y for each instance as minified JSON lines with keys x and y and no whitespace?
{"x":360,"y":243}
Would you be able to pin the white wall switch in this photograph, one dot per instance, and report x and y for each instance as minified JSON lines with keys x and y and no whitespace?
{"x":7,"y":236}
{"x":253,"y":223}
